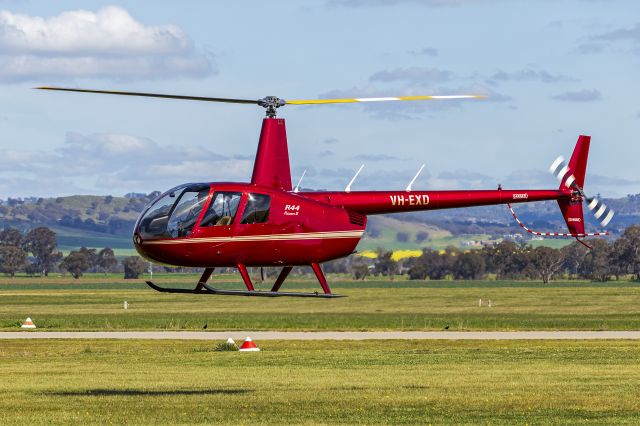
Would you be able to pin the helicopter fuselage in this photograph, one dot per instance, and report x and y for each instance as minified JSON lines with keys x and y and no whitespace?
{"x":224,"y":224}
{"x":287,"y":229}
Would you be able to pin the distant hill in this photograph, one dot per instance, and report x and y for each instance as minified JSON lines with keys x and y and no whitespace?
{"x":79,"y":220}
{"x":107,"y":221}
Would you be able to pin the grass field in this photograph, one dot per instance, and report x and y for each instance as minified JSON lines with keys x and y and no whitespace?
{"x":96,"y":303}
{"x":366,"y":382}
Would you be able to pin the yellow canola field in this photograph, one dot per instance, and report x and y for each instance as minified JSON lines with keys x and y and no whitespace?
{"x":397,"y":254}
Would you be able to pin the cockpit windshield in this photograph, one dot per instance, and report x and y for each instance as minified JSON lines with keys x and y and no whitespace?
{"x":175,"y":213}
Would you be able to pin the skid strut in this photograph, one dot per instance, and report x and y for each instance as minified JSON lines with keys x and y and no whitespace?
{"x":283,"y":276}
{"x":203,"y":288}
{"x":320,"y":276}
{"x":245,"y":277}
{"x":204,"y":278}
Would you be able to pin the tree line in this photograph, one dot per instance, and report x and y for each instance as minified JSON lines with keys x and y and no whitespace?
{"x":509,"y":260}
{"x":36,"y":253}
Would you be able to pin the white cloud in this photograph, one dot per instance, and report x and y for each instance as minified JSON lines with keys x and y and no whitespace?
{"x":529,"y":75}
{"x":625,"y":40}
{"x":414,"y":75}
{"x":108,"y":43}
{"x":115,"y":164}
{"x":425,"y":51}
{"x":371,"y":3}
{"x":375,"y":157}
{"x":584,"y":95}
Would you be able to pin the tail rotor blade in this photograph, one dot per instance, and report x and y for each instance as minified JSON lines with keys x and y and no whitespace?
{"x":560,"y":169}
{"x":600,"y":210}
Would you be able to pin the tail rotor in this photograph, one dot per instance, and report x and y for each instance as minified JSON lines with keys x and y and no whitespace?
{"x":564,"y":173}
{"x":600,"y":210}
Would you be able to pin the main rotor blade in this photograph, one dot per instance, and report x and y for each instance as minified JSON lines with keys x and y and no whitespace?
{"x":396,"y":98}
{"x":153,"y":95}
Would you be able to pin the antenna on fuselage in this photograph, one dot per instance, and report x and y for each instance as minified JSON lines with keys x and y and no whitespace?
{"x":353,"y":179}
{"x":297,"y":188}
{"x":414,"y":179}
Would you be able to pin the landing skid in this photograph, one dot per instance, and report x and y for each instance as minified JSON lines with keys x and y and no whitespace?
{"x":203,"y":288}
{"x":258,"y":293}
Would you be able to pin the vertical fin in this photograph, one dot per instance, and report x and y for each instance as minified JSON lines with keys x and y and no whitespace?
{"x":572,"y":175}
{"x":578,"y":162}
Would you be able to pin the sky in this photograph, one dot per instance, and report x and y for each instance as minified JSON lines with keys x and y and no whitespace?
{"x":552,"y":70}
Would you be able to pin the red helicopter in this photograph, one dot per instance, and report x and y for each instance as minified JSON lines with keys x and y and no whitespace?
{"x":268,"y":222}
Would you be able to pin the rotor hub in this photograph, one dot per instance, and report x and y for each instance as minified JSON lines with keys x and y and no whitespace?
{"x":271,"y":104}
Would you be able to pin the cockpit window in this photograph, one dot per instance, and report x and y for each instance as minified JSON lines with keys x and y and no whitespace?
{"x":186,"y":212}
{"x":154,"y":222}
{"x":222,"y":210}
{"x":257,"y":209}
{"x":177,"y":206}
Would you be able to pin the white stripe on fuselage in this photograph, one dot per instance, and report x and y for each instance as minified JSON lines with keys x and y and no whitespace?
{"x":267,"y":237}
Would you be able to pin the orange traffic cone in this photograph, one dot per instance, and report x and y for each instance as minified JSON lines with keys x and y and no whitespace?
{"x":28,"y":324}
{"x":249,"y":346}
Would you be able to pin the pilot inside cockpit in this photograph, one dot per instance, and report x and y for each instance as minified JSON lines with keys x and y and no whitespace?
{"x":186,"y":212}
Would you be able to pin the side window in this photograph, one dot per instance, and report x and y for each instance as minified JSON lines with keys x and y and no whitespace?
{"x":222,"y":210}
{"x":257,"y":209}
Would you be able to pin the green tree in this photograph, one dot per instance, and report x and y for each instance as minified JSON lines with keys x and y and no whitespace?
{"x":337,"y":266}
{"x":10,"y":237}
{"x":547,"y":262}
{"x":385,"y":265}
{"x":12,"y":259}
{"x":421,"y":237}
{"x":418,"y":271}
{"x":596,"y":263}
{"x":359,"y":268}
{"x":402,"y":237}
{"x":106,"y":259}
{"x":617,"y":261}
{"x":573,"y":255}
{"x":433,"y":264}
{"x":134,"y":266}
{"x":629,"y":250}
{"x":508,"y":259}
{"x":92,"y":256}
{"x":76,"y":263}
{"x":469,"y":266}
{"x":42,"y":243}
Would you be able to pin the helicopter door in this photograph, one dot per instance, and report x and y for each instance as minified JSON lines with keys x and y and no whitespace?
{"x":254,"y":225}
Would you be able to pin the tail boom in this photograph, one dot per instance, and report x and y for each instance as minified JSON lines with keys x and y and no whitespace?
{"x":383,"y":202}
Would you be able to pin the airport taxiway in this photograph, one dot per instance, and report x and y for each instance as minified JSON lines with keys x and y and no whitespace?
{"x":327,"y":335}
